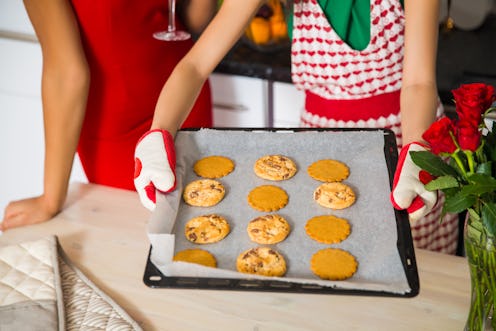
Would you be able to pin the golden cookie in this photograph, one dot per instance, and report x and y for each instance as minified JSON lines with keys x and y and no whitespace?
{"x":213,"y":166}
{"x":333,"y":264}
{"x":204,"y":193}
{"x":263,"y":261}
{"x":268,"y":229}
{"x":198,"y":256}
{"x":267,"y":198}
{"x":327,"y":229}
{"x":274,"y":167}
{"x":334,"y":195}
{"x":206,"y":229}
{"x":328,"y":171}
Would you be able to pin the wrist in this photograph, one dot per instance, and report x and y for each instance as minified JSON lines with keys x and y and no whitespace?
{"x":53,"y":200}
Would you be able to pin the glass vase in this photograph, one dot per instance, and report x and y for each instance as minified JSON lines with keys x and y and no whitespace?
{"x":481,"y":257}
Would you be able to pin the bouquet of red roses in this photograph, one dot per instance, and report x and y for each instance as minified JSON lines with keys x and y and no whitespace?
{"x":462,"y":159}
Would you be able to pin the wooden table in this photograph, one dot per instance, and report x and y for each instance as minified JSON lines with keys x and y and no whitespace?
{"x":102,"y":230}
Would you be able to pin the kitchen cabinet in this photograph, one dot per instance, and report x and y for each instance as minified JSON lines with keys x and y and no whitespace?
{"x":288,"y":103}
{"x":241,"y":101}
{"x":14,"y":20}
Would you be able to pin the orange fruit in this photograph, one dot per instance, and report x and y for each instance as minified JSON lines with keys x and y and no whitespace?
{"x":258,"y":31}
{"x":278,"y":29}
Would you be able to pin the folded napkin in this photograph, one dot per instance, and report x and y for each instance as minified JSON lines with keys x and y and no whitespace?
{"x":40,"y":289}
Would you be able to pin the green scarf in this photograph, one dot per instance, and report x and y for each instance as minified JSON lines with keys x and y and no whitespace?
{"x":349,"y":18}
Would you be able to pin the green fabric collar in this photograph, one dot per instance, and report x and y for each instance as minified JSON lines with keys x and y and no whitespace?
{"x":349,"y":18}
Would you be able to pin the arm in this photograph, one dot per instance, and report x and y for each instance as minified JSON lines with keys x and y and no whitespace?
{"x":65,"y":83}
{"x":419,"y":97}
{"x":181,"y":89}
{"x":418,"y":104}
{"x":154,"y":153}
{"x":196,"y":14}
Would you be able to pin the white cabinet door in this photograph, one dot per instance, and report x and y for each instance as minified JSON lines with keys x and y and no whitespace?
{"x":239,"y":101}
{"x":21,"y":122}
{"x":288,"y":104}
{"x":20,"y":68}
{"x":13,"y":17}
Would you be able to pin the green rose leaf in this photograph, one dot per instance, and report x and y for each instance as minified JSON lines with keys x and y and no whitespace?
{"x":484,"y":168}
{"x":489,"y":218}
{"x":473,"y":215}
{"x":459,"y":202}
{"x":431,"y":163}
{"x":479,"y":184}
{"x":441,"y":183}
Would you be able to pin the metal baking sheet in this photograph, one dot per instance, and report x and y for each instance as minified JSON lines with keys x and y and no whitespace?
{"x":372,"y":218}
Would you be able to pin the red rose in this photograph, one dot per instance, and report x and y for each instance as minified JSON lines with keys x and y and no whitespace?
{"x":439,"y":138}
{"x":472,"y":100}
{"x":467,"y":135}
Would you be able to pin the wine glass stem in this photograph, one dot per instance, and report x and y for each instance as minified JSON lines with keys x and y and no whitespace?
{"x":172,"y":15}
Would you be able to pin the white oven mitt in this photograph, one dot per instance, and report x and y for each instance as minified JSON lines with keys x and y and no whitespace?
{"x":155,"y":166}
{"x":408,"y":186}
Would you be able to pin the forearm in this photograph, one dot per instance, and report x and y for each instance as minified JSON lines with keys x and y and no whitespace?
{"x":64,"y":103}
{"x":197,"y":13}
{"x":419,"y":97}
{"x":418,"y":110}
{"x":65,"y":84}
{"x":177,"y":97}
{"x":183,"y":86}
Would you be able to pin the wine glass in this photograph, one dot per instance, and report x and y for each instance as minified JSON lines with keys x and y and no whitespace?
{"x":172,"y":34}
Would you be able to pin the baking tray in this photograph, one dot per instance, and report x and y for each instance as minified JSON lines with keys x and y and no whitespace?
{"x":156,"y":279}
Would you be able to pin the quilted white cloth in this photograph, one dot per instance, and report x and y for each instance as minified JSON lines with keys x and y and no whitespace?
{"x":26,"y":273}
{"x":40,"y":289}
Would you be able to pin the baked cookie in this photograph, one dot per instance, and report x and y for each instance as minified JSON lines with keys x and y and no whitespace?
{"x":334,"y":195}
{"x":327,"y":229}
{"x":328,"y":170}
{"x":263,"y":261}
{"x":275,"y":167}
{"x":333,"y":264}
{"x":204,"y":193}
{"x":214,"y":166}
{"x":196,"y":255}
{"x":206,"y":229}
{"x":267,"y":198}
{"x":268,"y":229}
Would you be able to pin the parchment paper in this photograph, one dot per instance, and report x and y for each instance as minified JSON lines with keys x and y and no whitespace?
{"x":373,"y":226}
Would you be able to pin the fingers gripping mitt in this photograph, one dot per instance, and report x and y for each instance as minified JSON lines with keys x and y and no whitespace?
{"x":155,"y":166}
{"x":408,"y":186}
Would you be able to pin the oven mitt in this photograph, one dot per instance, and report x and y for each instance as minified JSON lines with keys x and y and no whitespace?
{"x":41,"y":289}
{"x":408,"y":186}
{"x":155,"y":166}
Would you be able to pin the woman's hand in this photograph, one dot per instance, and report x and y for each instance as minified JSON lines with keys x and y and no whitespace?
{"x":155,"y":166}
{"x":27,"y":211}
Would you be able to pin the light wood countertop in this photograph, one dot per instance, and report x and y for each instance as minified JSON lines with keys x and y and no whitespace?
{"x":103,"y":231}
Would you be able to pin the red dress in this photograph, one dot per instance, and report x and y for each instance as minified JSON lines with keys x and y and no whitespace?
{"x":128,"y":70}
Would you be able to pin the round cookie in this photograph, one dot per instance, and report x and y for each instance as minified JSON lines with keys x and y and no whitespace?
{"x":263,"y":261}
{"x":333,"y":264}
{"x":196,"y":255}
{"x":268,"y":229}
{"x":328,"y":170}
{"x":334,"y":195}
{"x":204,"y":193}
{"x":267,"y":198}
{"x":327,"y":229}
{"x":214,"y":166}
{"x":275,"y":167}
{"x":206,"y":229}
